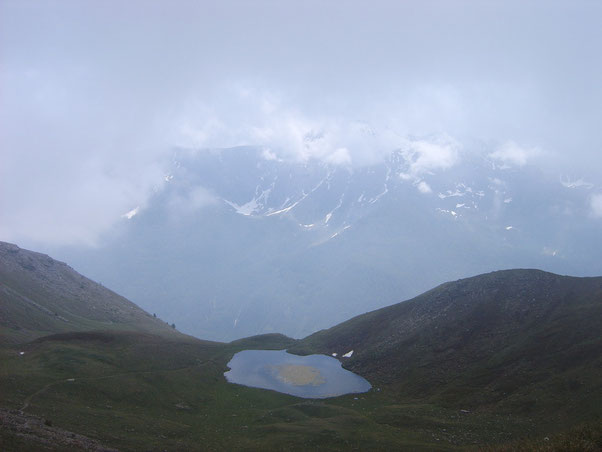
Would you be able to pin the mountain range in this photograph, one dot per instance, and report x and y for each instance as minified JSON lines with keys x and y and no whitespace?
{"x":239,"y":241}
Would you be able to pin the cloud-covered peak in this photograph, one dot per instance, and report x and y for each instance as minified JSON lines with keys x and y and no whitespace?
{"x":425,"y":155}
{"x":512,"y":154}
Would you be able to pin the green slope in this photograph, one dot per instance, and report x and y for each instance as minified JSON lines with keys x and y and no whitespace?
{"x":40,"y":296}
{"x":521,"y":342}
{"x":133,"y":391}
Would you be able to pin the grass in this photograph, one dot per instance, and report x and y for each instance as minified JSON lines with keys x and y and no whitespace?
{"x":582,"y":438}
{"x":135,"y":391}
{"x":524,"y":340}
{"x":142,"y":392}
{"x":507,"y":358}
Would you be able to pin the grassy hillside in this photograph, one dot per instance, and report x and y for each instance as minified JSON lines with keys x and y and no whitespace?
{"x":520,"y":342}
{"x":40,"y":296}
{"x":132,"y":391}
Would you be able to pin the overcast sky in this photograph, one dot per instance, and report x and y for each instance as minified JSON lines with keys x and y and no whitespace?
{"x":94,"y":94}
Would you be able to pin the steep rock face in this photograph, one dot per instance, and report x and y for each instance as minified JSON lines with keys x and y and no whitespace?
{"x":501,"y":332}
{"x":39,"y":295}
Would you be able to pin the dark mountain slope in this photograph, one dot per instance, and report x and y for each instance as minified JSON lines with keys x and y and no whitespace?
{"x":525,"y":339}
{"x":40,"y":296}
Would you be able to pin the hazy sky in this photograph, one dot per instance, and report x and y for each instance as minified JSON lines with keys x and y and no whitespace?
{"x":94,"y":94}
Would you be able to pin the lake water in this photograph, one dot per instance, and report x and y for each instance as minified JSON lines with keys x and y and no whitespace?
{"x":313,"y":376}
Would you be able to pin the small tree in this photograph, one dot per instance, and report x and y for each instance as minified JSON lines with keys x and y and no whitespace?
{"x":173,"y":325}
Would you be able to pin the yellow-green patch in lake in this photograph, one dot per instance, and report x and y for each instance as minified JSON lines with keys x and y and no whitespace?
{"x":299,"y":375}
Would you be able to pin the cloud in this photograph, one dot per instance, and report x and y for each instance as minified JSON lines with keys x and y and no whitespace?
{"x":270,"y":120}
{"x":424,"y":156}
{"x":596,"y":205}
{"x":190,"y":201}
{"x":268,"y":155}
{"x":70,"y":199}
{"x":432,"y":155}
{"x":512,"y":154}
{"x":340,"y":157}
{"x":423,"y":187}
{"x":93,"y":103}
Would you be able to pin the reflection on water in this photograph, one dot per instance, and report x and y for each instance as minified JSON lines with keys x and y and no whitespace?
{"x":313,"y":376}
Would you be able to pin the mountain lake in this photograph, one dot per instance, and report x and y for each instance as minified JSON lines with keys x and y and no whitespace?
{"x":311,"y":377}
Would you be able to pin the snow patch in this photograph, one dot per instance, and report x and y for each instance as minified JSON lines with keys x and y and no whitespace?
{"x":132,"y":213}
{"x":337,"y":233}
{"x":348,"y":354}
{"x":254,"y":205}
{"x":579,"y":183}
{"x":303,"y":196}
{"x":335,"y":354}
{"x":453,"y":213}
{"x":237,"y":317}
{"x":245,"y":209}
{"x":549,"y":251}
{"x":286,"y":209}
{"x":385,"y":191}
{"x":461,"y":190}
{"x":329,"y":215}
